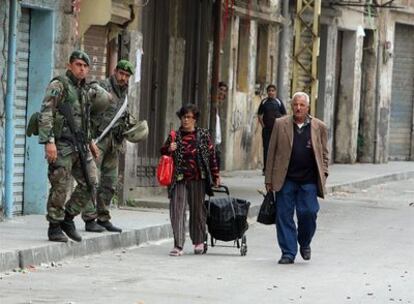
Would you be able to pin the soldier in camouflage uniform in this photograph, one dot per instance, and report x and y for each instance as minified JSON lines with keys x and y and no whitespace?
{"x":63,"y":159}
{"x":109,"y":147}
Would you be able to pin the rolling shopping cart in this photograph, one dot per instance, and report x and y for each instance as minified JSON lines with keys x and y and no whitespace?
{"x":227,"y":220}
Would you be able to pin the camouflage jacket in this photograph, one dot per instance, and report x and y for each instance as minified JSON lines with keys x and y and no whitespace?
{"x":101,"y":121}
{"x":52,"y":125}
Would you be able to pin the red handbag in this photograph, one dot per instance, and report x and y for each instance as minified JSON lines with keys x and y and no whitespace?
{"x":165,"y":169}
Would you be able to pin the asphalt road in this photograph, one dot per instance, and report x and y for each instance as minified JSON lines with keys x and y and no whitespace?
{"x":363,"y":252}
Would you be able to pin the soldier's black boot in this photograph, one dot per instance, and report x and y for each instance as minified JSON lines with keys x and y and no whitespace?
{"x":55,"y":233}
{"x":92,"y":226}
{"x":68,"y":226}
{"x":108,"y":226}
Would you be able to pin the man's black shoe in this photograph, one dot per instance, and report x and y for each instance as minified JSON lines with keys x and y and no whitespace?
{"x":55,"y":233}
{"x":68,"y":226}
{"x":305,"y":253}
{"x":286,"y":260}
{"x":92,"y":226}
{"x":108,"y":226}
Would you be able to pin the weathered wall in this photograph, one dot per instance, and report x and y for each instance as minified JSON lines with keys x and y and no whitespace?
{"x":243,"y":143}
{"x":367,"y":134}
{"x":327,"y":86}
{"x":347,"y":119}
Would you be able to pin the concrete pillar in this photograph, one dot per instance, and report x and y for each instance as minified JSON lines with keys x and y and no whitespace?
{"x":368,"y":120}
{"x":347,"y":118}
{"x":386,"y":33}
{"x":325,"y":107}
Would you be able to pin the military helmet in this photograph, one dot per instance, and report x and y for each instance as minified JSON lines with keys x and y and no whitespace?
{"x":137,"y":132}
{"x":100,"y":98}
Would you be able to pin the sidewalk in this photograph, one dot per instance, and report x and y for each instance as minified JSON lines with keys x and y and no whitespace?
{"x":23,"y":239}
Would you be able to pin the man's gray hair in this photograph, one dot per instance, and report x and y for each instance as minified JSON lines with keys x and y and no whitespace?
{"x":301,"y":94}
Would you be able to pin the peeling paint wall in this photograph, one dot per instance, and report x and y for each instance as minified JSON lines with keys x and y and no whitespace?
{"x":327,"y":80}
{"x":243,"y":144}
{"x":347,"y":119}
{"x":367,"y":134}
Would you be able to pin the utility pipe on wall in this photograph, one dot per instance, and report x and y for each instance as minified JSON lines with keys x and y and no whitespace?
{"x":9,"y":141}
{"x":282,"y":64}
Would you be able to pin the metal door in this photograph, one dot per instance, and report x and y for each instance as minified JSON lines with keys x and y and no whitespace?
{"x":20,"y":104}
{"x":402,"y":97}
{"x":95,"y":45}
{"x":198,"y":33}
{"x":153,"y":87}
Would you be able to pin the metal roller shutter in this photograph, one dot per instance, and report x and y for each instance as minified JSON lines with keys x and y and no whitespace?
{"x":402,"y":94}
{"x":20,"y":103}
{"x":95,"y":45}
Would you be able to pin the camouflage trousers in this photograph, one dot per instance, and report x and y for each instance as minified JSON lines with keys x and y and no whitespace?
{"x":59,"y":174}
{"x":107,"y":165}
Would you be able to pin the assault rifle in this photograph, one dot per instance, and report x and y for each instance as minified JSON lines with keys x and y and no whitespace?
{"x":81,"y":146}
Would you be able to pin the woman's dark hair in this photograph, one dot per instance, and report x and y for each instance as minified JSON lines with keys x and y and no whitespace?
{"x":271,"y":86}
{"x":187,"y":109}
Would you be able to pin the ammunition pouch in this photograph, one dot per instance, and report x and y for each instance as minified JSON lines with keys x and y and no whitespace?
{"x":33,"y":125}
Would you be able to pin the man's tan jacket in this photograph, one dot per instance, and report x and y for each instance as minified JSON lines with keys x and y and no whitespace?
{"x":280,"y":149}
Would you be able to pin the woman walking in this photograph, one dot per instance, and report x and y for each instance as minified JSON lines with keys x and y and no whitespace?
{"x":195,"y":171}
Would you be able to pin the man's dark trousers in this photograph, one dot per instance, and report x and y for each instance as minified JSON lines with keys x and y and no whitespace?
{"x":266,"y":133}
{"x":303,"y":198}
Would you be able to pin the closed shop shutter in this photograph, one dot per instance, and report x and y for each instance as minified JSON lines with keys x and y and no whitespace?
{"x":20,"y":104}
{"x":95,"y":45}
{"x":402,"y":97}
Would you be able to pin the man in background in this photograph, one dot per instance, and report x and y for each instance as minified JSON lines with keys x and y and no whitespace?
{"x":270,"y":108}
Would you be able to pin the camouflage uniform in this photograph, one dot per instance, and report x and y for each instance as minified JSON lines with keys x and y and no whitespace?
{"x":109,"y":148}
{"x":53,"y":127}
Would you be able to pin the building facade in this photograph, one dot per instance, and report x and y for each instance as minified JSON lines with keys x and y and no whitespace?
{"x":365,"y":74}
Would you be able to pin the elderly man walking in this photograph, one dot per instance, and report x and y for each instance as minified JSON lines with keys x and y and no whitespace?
{"x":297,"y":168}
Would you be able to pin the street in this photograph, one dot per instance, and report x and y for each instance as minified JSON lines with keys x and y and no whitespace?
{"x":362,"y":253}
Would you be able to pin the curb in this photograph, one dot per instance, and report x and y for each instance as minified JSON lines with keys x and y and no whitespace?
{"x":53,"y":252}
{"x":91,"y":245}
{"x":365,"y":183}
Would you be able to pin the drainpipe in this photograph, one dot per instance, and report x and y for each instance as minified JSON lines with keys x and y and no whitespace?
{"x":9,"y":141}
{"x":282,"y":64}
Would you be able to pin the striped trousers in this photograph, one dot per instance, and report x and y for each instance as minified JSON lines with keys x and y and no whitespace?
{"x":191,"y":192}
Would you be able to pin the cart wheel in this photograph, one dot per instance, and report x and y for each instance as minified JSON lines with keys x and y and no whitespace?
{"x":243,"y":248}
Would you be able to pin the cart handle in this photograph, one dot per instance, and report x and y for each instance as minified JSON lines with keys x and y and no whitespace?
{"x":221,"y":189}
